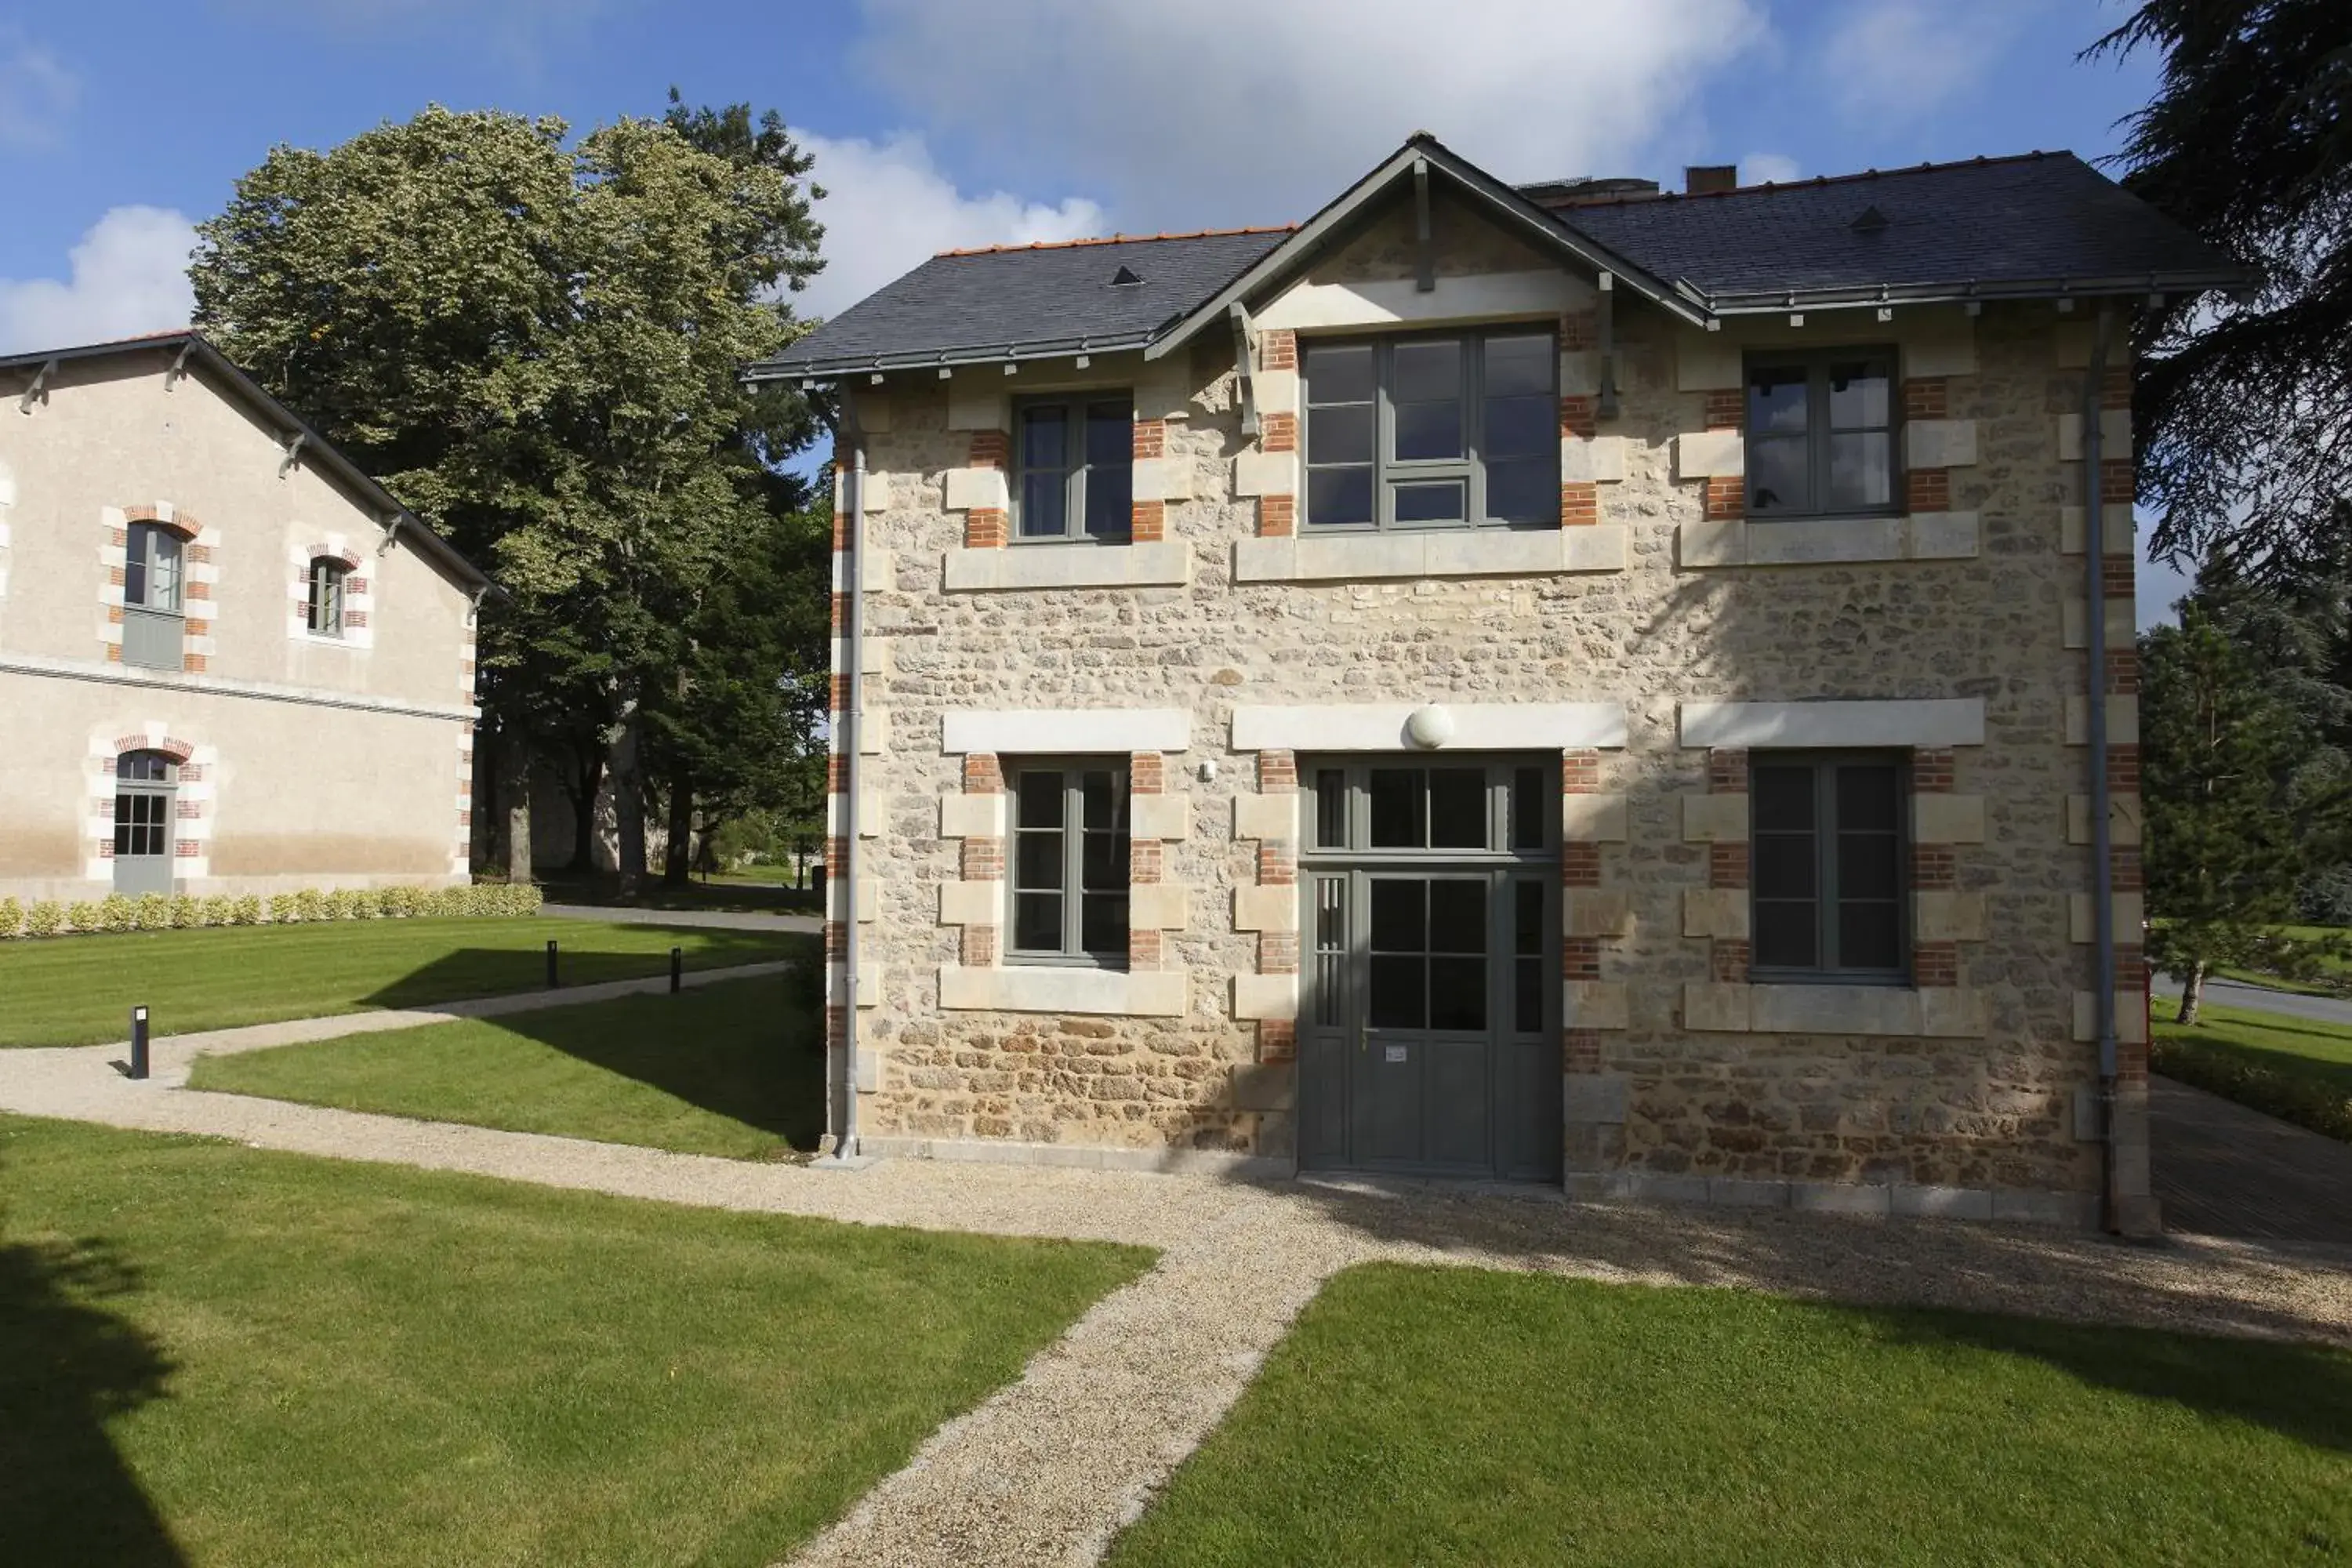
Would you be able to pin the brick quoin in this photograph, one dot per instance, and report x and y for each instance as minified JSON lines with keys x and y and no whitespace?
{"x":1579,"y":416}
{"x":836,"y":1025}
{"x":1580,"y":1050}
{"x":1928,"y":490}
{"x":1278,"y":773}
{"x":1727,"y":961}
{"x":1927,"y":397}
{"x":1278,"y":516}
{"x":1147,"y":521}
{"x":1580,"y":958}
{"x":840,"y":695}
{"x":1143,"y":948}
{"x":1933,"y":868}
{"x":1931,"y":771}
{"x":1580,"y":330}
{"x":2115,"y":575}
{"x":1146,"y":860}
{"x":1579,"y":772}
{"x":2116,"y":479}
{"x":1278,"y":350}
{"x":1726,"y":771}
{"x":841,"y":612}
{"x":836,"y":938}
{"x":2125,"y":873}
{"x":983,"y":860}
{"x":989,"y":449}
{"x":1580,"y":865}
{"x":1151,"y":437}
{"x":1277,"y":953}
{"x":2123,"y":671}
{"x":837,"y":858}
{"x":978,"y":949}
{"x":2123,"y":768}
{"x":983,"y":528}
{"x":1277,"y":865}
{"x":982,"y":775}
{"x":836,"y":772}
{"x":186,"y":848}
{"x":1580,"y":505}
{"x":1936,"y":964}
{"x":1727,"y":497}
{"x":1726,"y":865}
{"x":1726,"y":408}
{"x":201,"y":555}
{"x":1277,"y":432}
{"x":1278,"y":1040}
{"x":1147,"y":773}
{"x":2131,"y":967}
{"x":2116,"y":389}
{"x":193,"y":663}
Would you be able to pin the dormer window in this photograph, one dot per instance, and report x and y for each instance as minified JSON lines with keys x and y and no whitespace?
{"x":325,"y":608}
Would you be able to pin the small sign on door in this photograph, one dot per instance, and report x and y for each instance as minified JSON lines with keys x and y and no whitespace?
{"x":1395,"y":1053}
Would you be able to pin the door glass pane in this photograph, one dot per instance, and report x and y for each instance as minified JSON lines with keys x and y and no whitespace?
{"x":1783,"y":800}
{"x":1528,"y":804}
{"x":1339,"y":373}
{"x":1784,"y":865}
{"x":1037,"y":922}
{"x":1110,"y":502}
{"x":1457,"y":916}
{"x":1110,"y":435}
{"x":1527,"y":917}
{"x":1518,"y":365}
{"x":1526,"y":995}
{"x":1040,"y":798}
{"x":1338,"y":497}
{"x":1428,"y":371}
{"x":1428,"y":432}
{"x":1105,"y":801}
{"x":1425,"y":398}
{"x":1102,"y":921}
{"x":1341,"y":434}
{"x":164,"y":570}
{"x":1331,"y":809}
{"x":124,"y":823}
{"x":1331,"y":950}
{"x":1521,"y":426}
{"x":1457,"y":808}
{"x":1776,"y":400}
{"x":134,"y":564}
{"x":1104,"y":868}
{"x":1457,"y":993}
{"x":1427,"y":502}
{"x":1866,"y":799}
{"x":1037,"y":860}
{"x":1786,"y":933}
{"x":1866,"y":866}
{"x":1776,"y":476}
{"x":1400,"y":916}
{"x":1869,"y":937}
{"x":1046,"y":438}
{"x":1858,"y":396}
{"x":1526,"y":493}
{"x":1044,"y":505}
{"x":1862,"y":470}
{"x":1398,"y":992}
{"x":1397,"y":803}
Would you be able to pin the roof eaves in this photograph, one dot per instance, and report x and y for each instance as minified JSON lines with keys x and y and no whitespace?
{"x":1326,"y":224}
{"x":1765,"y":301}
{"x":785,"y":368}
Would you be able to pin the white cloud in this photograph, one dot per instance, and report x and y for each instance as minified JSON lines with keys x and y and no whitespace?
{"x":36,"y":91}
{"x":129,"y":275}
{"x":887,"y":208}
{"x":1238,"y":112}
{"x":1904,"y":59}
{"x":1768,"y":168}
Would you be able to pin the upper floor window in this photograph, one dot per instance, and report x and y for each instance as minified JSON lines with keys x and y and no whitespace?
{"x":1069,"y":862}
{"x":1433,"y":432}
{"x":1820,"y":433}
{"x":326,"y":609}
{"x":1074,"y":469}
{"x":1831,"y":844}
{"x":152,"y":569}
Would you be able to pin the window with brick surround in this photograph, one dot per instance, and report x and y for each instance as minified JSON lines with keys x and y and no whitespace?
{"x":1829,"y":834}
{"x":1074,"y":469}
{"x":1069,"y":871}
{"x":326,"y":609}
{"x":1423,"y":431}
{"x":1821,"y":433}
{"x":153,"y":574}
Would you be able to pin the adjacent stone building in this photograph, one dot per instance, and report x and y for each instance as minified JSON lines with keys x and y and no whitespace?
{"x":229,"y":661}
{"x":1562,"y":683}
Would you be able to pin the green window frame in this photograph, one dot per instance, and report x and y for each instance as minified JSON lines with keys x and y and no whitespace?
{"x":1068,"y":871}
{"x":1431,"y":430}
{"x":1829,"y":868}
{"x":1822,"y":434}
{"x":1073,"y":468}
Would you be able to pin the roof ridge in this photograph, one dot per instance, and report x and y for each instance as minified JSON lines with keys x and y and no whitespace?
{"x":1980,"y":161}
{"x":1118,"y":240}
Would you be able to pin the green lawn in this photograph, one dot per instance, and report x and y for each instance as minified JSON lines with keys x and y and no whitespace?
{"x":2299,"y":1069}
{"x":1422,"y":1415}
{"x":731,"y":1068}
{"x":75,"y":991}
{"x":213,"y":1356}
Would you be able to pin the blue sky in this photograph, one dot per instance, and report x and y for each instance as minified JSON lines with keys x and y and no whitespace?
{"x":945,"y":122}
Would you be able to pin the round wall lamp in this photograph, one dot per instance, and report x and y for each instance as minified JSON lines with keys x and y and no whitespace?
{"x":1429,"y":728}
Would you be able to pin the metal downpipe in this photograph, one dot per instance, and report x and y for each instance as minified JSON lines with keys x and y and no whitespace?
{"x":2103,"y":911}
{"x":853,"y":486}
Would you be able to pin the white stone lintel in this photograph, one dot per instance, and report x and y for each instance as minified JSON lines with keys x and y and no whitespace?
{"x":1064,"y":731}
{"x":1045,"y":988}
{"x":1477,"y":726}
{"x":1934,"y":723}
{"x":1436,"y":553}
{"x":1813,"y":541}
{"x":1156,"y":563}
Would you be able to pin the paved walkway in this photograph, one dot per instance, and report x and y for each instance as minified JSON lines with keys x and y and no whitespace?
{"x":2223,"y":1169}
{"x":1048,"y":1469}
{"x":169,"y":1056}
{"x":723,"y":919}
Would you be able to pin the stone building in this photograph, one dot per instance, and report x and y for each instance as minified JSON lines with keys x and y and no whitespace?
{"x":229,"y":661}
{"x":1564,"y":683}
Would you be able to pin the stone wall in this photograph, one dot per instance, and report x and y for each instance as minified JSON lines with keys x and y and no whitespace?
{"x":1678,"y":1076}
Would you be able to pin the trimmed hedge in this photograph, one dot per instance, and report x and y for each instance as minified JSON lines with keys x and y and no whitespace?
{"x":161,"y":911}
{"x":2308,"y":1100}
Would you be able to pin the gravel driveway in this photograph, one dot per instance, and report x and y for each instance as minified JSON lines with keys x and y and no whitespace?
{"x":1047,"y":1469}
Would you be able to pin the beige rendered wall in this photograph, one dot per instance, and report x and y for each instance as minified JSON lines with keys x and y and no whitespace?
{"x":1678,"y":1076}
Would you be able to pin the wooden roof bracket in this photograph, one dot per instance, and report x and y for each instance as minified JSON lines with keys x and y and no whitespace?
{"x":1425,"y":277}
{"x":172,"y":376}
{"x":1605,"y":319}
{"x":1244,"y":357}
{"x":40,"y":380}
{"x":293,"y":447}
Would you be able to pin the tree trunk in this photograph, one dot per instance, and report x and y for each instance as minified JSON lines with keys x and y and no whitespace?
{"x":514,"y":771}
{"x":677,"y":854}
{"x":2193,"y":992}
{"x":626,"y":769}
{"x":587,"y":782}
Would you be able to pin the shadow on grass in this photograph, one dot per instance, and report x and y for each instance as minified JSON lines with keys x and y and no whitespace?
{"x":67,"y":1365}
{"x":726,"y":894}
{"x":487,"y":972}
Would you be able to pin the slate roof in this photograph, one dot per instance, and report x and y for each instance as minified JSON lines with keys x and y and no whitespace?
{"x":1018,"y":302}
{"x":2037,"y":224}
{"x":2001,"y":224}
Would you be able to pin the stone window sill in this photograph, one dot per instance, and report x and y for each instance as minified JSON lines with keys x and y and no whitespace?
{"x":1451,"y":552}
{"x":1160,"y":563}
{"x":1816,"y":541}
{"x":1914,"y":1011}
{"x":1100,"y":993}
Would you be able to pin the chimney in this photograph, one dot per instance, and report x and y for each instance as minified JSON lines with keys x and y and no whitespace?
{"x":1705,"y":179}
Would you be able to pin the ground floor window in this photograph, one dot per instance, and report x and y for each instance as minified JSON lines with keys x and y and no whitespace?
{"x":1830,"y":841}
{"x":1069,"y":870}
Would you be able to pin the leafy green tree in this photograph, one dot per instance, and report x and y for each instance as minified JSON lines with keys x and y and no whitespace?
{"x":2224,"y":832}
{"x":2244,"y":408}
{"x":538,"y":346}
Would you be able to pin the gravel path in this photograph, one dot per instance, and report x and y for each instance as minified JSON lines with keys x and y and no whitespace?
{"x":1047,"y":1469}
{"x":2258,"y":999}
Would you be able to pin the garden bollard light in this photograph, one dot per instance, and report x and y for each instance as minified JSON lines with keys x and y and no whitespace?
{"x":139,"y":1042}
{"x":677,"y":970}
{"x":552,"y":980}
